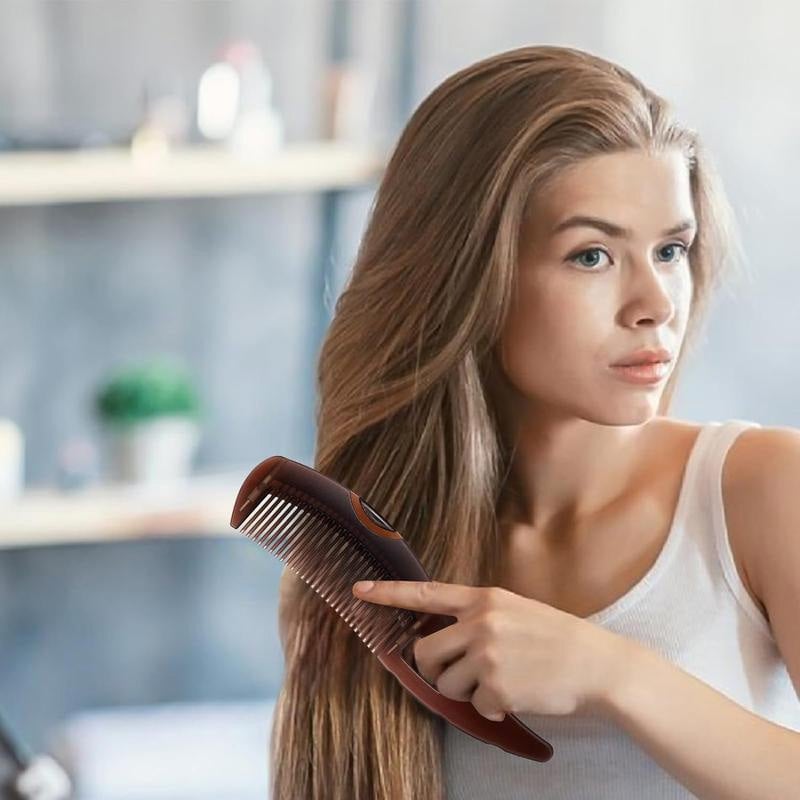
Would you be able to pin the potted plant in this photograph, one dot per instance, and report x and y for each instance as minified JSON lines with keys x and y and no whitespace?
{"x":151,"y":414}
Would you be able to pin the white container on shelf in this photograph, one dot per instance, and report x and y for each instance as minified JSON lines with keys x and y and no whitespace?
{"x":12,"y":460}
{"x":159,"y":450}
{"x":234,"y":103}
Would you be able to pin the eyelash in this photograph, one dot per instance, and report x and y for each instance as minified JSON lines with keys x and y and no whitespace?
{"x":684,"y":247}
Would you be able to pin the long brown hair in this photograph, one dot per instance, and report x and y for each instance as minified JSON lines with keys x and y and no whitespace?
{"x":404,"y":416}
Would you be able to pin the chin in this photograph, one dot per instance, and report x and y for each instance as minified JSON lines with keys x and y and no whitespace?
{"x":638,"y":412}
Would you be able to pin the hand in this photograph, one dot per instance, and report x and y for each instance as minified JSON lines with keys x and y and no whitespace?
{"x":508,"y":653}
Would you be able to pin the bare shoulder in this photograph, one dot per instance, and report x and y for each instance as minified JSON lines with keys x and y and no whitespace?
{"x":674,"y":438}
{"x":763,"y":478}
{"x":671,"y":429}
{"x":760,"y":479}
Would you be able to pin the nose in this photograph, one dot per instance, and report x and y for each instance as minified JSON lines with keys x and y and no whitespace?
{"x":648,"y":297}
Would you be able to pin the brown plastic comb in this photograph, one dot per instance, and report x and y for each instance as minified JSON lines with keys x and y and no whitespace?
{"x":332,"y":538}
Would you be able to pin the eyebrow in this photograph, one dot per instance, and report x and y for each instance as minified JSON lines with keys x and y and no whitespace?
{"x":611,"y":229}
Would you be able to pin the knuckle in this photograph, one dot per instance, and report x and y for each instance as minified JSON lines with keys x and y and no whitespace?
{"x":485,"y":600}
{"x":495,"y":596}
{"x":490,"y":659}
{"x":418,"y":652}
{"x":487,"y":622}
{"x":428,"y":589}
{"x":442,"y":683}
{"x":430,"y":677}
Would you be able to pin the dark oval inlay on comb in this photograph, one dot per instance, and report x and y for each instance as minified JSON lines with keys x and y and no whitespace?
{"x":375,"y":516}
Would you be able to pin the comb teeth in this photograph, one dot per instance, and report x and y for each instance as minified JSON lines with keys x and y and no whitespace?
{"x":329,"y":558}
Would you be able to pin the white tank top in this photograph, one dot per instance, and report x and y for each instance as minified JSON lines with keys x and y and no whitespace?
{"x":693,"y":609}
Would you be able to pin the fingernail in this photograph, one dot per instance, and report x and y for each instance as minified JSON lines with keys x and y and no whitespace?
{"x":364,"y":586}
{"x":495,"y":717}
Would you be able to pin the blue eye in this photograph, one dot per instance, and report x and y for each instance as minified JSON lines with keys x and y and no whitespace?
{"x":683,"y":247}
{"x":575,"y":259}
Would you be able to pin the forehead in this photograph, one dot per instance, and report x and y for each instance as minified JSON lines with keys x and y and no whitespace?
{"x":633,"y":189}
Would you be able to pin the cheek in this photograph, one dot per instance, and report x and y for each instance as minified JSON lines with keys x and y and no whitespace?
{"x":684,"y":296}
{"x":680,"y":291}
{"x":555,"y":335}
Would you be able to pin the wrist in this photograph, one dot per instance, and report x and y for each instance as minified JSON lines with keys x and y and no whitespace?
{"x":621,"y":664}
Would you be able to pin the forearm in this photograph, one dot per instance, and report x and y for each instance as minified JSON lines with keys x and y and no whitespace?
{"x":716,"y":748}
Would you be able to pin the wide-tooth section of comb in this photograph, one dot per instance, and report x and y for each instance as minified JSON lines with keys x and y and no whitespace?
{"x":327,"y":557}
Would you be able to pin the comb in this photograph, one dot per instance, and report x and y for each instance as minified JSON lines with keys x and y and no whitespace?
{"x":331,"y":537}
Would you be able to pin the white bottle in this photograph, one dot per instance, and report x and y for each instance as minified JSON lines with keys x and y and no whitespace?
{"x":235,"y":103}
{"x":12,"y":460}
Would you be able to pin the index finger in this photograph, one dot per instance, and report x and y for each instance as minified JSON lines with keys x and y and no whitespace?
{"x":433,"y":596}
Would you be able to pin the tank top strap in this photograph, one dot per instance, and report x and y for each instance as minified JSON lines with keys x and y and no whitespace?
{"x":715,"y":440}
{"x":724,"y":435}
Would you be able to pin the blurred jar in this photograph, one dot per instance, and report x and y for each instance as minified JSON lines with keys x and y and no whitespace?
{"x":151,"y":416}
{"x":234,"y":103}
{"x":156,"y":451}
{"x":12,"y":460}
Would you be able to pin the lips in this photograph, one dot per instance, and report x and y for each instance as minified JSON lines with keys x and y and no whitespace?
{"x":645,"y":356}
{"x":647,"y":374}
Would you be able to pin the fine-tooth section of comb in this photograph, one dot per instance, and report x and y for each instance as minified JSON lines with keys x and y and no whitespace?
{"x":326,"y":557}
{"x":332,"y":538}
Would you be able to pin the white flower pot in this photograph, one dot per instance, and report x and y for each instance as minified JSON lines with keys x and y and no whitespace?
{"x":158,"y":450}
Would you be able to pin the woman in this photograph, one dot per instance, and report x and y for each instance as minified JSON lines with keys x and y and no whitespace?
{"x":543,"y":219}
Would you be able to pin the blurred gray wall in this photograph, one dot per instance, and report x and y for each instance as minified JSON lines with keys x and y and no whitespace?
{"x":229,"y":285}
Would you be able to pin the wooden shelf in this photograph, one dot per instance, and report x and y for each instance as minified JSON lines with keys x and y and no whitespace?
{"x":47,"y":177}
{"x":199,"y":506}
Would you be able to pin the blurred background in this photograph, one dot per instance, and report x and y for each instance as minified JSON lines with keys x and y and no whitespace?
{"x":183,"y":187}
